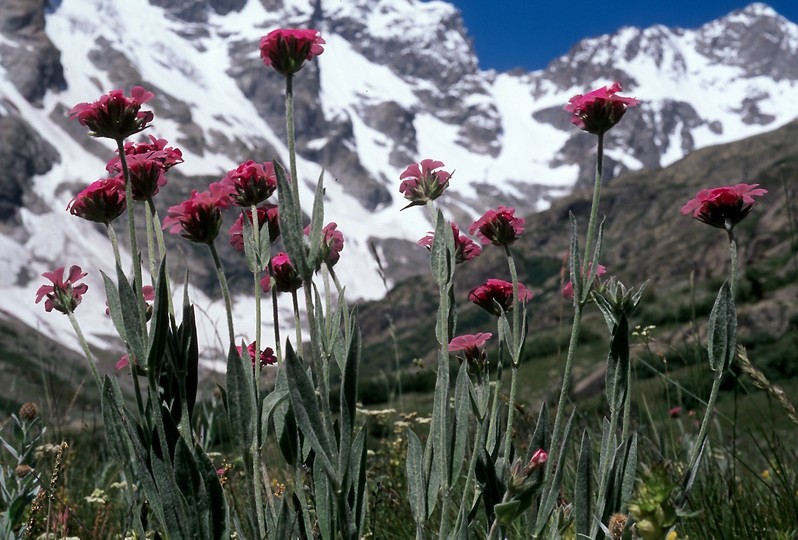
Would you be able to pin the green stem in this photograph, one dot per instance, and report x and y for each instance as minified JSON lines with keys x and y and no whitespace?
{"x":513,"y":354}
{"x":114,"y":244}
{"x":732,"y":262}
{"x":559,"y":427}
{"x":289,"y":125}
{"x":255,"y":449}
{"x":297,"y":323}
{"x":591,"y":226}
{"x":696,"y":452}
{"x":131,"y":223}
{"x":86,"y":351}
{"x":150,"y":242}
{"x":578,"y":306}
{"x":345,"y":318}
{"x":217,"y":262}
{"x":276,"y":321}
{"x":161,"y":249}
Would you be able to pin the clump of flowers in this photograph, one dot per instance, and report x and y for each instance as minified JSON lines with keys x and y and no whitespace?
{"x":472,"y":348}
{"x":598,"y":111}
{"x":156,"y":150}
{"x":199,"y":218}
{"x":422,"y":182}
{"x":286,"y":278}
{"x":499,"y":227}
{"x":465,"y":249}
{"x":287,"y":49}
{"x":252,"y":183}
{"x":331,"y":245}
{"x":723,"y":207}
{"x":102,"y":201}
{"x":267,"y":216}
{"x":115,"y":115}
{"x":267,"y":357}
{"x":496,"y":296}
{"x":63,"y":295}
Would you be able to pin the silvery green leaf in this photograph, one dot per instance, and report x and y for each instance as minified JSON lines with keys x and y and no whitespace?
{"x":722,"y":332}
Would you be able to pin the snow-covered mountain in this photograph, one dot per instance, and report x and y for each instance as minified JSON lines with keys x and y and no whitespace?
{"x":398,"y":81}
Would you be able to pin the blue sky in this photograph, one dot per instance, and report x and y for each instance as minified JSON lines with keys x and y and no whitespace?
{"x":530,"y":33}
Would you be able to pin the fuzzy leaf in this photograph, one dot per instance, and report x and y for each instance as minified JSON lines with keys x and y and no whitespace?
{"x":461,"y":423}
{"x":316,"y":224}
{"x":574,"y":260}
{"x":617,"y":365}
{"x":251,"y":251}
{"x":722,"y":334}
{"x":291,"y":230}
{"x":240,"y":400}
{"x":306,"y":408}
{"x":415,"y":478}
{"x":129,"y":303}
{"x":583,"y":491}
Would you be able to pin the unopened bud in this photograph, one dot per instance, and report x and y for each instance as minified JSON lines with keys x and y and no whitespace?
{"x":29,"y":411}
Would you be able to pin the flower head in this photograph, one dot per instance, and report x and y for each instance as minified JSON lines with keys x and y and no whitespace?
{"x":568,"y":289}
{"x":267,"y":215}
{"x":286,"y":278}
{"x":497,"y":291}
{"x":102,"y":201}
{"x":267,"y":357}
{"x":597,"y":111}
{"x":520,"y":473}
{"x":114,"y":115}
{"x":287,"y":49}
{"x":155,"y":150}
{"x":422,"y":182}
{"x":63,"y":295}
{"x":252,"y":182}
{"x":198,"y":219}
{"x":331,"y":246}
{"x":473,"y":353}
{"x":147,"y":176}
{"x":499,"y":227}
{"x":465,"y":249}
{"x":723,"y":207}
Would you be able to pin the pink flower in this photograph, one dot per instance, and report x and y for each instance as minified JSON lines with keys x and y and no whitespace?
{"x":286,"y":49}
{"x":147,"y":176}
{"x":331,"y":246}
{"x":266,"y":356}
{"x":465,"y":249}
{"x":471,"y":346}
{"x":62,"y":295}
{"x":252,"y":182}
{"x":102,"y":201}
{"x":497,"y":291}
{"x":568,"y":289}
{"x":599,"y":110}
{"x":267,"y":214}
{"x":155,"y":150}
{"x":286,"y":278}
{"x":114,"y":115}
{"x":675,"y":412}
{"x":499,"y":227}
{"x":198,"y":219}
{"x":421,"y":182}
{"x":723,"y":207}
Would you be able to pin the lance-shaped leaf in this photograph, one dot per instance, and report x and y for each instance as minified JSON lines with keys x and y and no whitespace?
{"x":219,"y":511}
{"x":722,"y":332}
{"x":415,"y":478}
{"x":323,"y":499}
{"x":316,"y":224}
{"x":461,"y":421}
{"x":574,"y":261}
{"x":159,"y":329}
{"x":358,"y":475}
{"x":191,"y":483}
{"x":291,"y":230}
{"x":242,"y":408}
{"x":550,"y":496}
{"x":252,"y":251}
{"x":583,"y":491}
{"x":592,"y":270}
{"x":617,"y":365}
{"x":129,"y":303}
{"x":308,"y":415}
{"x":114,"y":304}
{"x":442,"y":251}
{"x":348,"y":399}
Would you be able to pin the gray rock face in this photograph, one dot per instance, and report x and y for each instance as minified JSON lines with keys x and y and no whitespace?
{"x":33,"y":64}
{"x":754,"y":39}
{"x":23,"y":154}
{"x":196,"y":11}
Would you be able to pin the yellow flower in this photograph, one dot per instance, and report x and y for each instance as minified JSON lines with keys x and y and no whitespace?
{"x":765,"y":474}
{"x":673,"y":535}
